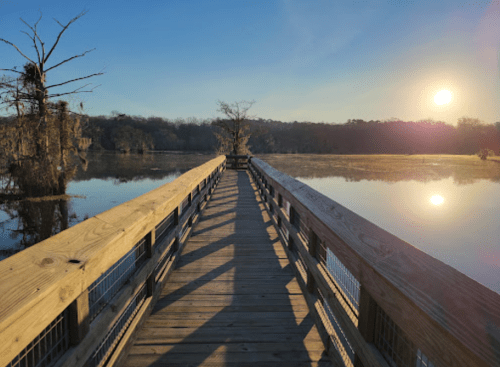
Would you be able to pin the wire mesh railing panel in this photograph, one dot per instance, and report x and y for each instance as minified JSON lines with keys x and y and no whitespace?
{"x":184,"y":205}
{"x":395,"y":346}
{"x":160,"y":266}
{"x":111,"y":340}
{"x":47,"y":347}
{"x":348,"y":283}
{"x":109,"y":283}
{"x":164,"y":228}
{"x":195,"y":193}
{"x":303,"y":264}
{"x":301,"y":228}
{"x":346,"y":350}
{"x":184,"y":229}
{"x":422,"y":360}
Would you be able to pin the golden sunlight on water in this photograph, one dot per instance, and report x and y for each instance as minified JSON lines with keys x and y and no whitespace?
{"x":455,"y":223}
{"x":437,"y":200}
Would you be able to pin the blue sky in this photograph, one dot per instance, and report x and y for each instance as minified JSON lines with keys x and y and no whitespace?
{"x":299,"y":60}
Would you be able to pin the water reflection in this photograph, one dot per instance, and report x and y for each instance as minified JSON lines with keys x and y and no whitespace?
{"x":460,"y":227}
{"x":110,"y":180}
{"x":437,"y":200}
{"x":26,"y":222}
{"x":463,"y":170}
{"x":447,"y":206}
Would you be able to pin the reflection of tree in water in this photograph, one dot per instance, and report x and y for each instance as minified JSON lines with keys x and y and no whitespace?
{"x":37,"y":220}
{"x":133,"y":167}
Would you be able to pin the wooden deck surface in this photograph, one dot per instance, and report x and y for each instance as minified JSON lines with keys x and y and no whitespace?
{"x":232,"y":300}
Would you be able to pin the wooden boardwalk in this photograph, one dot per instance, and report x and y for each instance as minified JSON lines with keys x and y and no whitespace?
{"x":232,"y":299}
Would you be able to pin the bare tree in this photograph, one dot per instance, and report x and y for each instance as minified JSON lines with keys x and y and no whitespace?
{"x":234,"y":129}
{"x":38,"y":117}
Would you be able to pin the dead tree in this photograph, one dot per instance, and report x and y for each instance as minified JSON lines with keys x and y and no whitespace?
{"x":33,"y":97}
{"x":234,"y":129}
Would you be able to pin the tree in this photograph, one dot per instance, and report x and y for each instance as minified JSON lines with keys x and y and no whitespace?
{"x":46,"y":133}
{"x":127,"y":138}
{"x":234,"y":130}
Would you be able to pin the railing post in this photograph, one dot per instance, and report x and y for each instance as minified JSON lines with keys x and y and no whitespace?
{"x":79,"y":321}
{"x":150,"y":281}
{"x":175,"y":245}
{"x":313,"y":243}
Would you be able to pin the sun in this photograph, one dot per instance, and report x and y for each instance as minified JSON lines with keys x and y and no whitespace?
{"x":442,"y":97}
{"x":437,"y":199}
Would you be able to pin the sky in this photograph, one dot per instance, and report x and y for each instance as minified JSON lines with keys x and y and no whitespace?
{"x":318,"y":61}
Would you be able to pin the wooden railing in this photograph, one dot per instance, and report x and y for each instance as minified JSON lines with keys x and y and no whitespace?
{"x":74,"y":299}
{"x":237,"y":161}
{"x":377,"y":300}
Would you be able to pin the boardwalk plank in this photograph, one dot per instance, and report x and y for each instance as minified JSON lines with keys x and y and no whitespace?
{"x":232,"y":299}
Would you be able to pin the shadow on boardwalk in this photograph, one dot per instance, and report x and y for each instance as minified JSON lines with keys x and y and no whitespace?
{"x":232,"y":299}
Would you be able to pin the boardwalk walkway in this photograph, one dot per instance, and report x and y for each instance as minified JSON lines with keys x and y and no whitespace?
{"x":232,"y":299}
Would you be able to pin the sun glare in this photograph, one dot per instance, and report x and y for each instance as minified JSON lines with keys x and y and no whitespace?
{"x":442,"y":97}
{"x":437,"y":199}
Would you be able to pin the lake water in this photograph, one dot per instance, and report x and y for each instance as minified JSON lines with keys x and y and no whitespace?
{"x":111,"y":179}
{"x":446,"y":206}
{"x":452,"y":215}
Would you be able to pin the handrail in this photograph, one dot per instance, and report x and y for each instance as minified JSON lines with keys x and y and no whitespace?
{"x":69,"y":299}
{"x":237,"y":161}
{"x":375,"y":295}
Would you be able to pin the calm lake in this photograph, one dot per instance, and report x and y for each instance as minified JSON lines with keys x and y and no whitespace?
{"x":447,"y":206}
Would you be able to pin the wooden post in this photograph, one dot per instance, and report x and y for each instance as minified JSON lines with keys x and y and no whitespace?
{"x":79,"y":318}
{"x":150,"y":285}
{"x":175,"y":245}
{"x":313,"y":243}
{"x":150,"y":240}
{"x":366,"y":319}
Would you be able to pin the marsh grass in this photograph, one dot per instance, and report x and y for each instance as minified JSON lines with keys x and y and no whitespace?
{"x":463,"y":169}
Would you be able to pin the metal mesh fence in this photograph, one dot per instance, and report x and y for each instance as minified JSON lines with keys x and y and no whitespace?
{"x":47,"y":347}
{"x":163,"y":228}
{"x":109,"y":283}
{"x":195,"y":193}
{"x":184,"y":229}
{"x":345,"y":349}
{"x":395,"y":346}
{"x":348,"y":283}
{"x":422,"y":360}
{"x":160,"y":267}
{"x":186,"y":203}
{"x":111,"y":340}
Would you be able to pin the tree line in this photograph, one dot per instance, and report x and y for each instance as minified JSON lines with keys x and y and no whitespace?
{"x":139,"y":134}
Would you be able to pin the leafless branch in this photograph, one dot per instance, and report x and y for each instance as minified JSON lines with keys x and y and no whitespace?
{"x":76,"y":91}
{"x":14,"y":71}
{"x":74,"y":80}
{"x":18,"y":50}
{"x":35,"y":46}
{"x":71,"y":58}
{"x":61,"y":33}
{"x":35,"y":37}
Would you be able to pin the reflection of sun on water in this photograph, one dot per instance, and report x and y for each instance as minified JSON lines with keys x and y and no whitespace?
{"x":437,"y":199}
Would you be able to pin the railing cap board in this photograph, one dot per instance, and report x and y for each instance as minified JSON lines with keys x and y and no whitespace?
{"x":238,"y":156}
{"x":37,"y":284}
{"x":385,"y":265}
